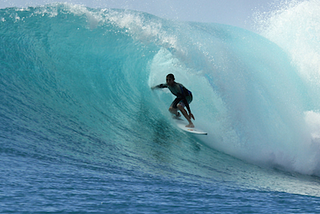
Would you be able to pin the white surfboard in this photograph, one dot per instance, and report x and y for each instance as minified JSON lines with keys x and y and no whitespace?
{"x":182,"y":125}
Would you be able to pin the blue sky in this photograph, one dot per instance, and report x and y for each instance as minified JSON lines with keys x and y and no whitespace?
{"x":233,"y":12}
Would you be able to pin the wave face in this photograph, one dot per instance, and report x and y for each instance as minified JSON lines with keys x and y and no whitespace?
{"x":75,"y":88}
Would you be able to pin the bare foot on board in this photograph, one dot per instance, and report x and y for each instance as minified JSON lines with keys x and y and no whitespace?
{"x":190,"y":125}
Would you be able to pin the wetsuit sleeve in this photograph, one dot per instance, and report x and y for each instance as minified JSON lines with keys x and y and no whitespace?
{"x":160,"y":86}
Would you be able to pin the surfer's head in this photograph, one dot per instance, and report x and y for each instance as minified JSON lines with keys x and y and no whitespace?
{"x":170,"y":79}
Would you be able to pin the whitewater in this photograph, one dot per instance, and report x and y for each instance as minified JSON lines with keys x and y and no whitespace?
{"x":82,"y":131}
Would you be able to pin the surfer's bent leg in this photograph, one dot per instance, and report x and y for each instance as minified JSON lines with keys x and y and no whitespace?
{"x":181,"y":106}
{"x":173,"y":107}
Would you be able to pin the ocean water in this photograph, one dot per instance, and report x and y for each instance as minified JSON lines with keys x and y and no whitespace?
{"x":81,"y":131}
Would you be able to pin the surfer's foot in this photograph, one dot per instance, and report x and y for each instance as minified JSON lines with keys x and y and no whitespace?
{"x":190,"y":125}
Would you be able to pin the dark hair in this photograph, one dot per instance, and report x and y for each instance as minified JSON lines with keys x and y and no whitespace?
{"x":171,"y":76}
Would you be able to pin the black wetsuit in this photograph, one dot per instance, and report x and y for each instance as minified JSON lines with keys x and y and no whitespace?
{"x":182,"y":93}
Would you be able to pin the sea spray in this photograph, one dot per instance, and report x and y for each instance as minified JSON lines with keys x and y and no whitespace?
{"x":294,"y":26}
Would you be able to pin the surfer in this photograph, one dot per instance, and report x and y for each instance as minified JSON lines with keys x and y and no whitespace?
{"x":184,"y":98}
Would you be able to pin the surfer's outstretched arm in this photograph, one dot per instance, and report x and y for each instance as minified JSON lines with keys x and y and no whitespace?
{"x":159,"y":86}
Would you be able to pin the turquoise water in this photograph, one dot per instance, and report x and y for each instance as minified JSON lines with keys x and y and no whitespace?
{"x":81,"y":131}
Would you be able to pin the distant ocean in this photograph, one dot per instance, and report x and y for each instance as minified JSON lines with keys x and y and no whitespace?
{"x":81,"y":131}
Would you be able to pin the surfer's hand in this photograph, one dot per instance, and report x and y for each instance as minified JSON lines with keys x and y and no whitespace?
{"x":191,"y":116}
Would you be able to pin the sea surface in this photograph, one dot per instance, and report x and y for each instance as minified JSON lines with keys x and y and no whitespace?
{"x":81,"y":130}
